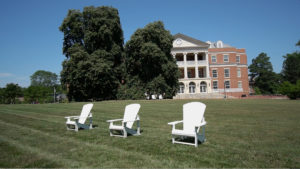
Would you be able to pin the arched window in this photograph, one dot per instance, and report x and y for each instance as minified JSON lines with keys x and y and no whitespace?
{"x":181,"y":88}
{"x":203,"y":87}
{"x":192,"y":87}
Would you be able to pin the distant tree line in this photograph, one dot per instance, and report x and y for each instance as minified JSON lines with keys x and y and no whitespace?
{"x":44,"y":88}
{"x":287,"y":82}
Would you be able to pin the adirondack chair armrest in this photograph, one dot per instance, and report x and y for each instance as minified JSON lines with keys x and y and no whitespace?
{"x":112,"y":121}
{"x":131,"y":121}
{"x":174,"y":123}
{"x":109,"y":121}
{"x":197,"y":128}
{"x":71,"y":117}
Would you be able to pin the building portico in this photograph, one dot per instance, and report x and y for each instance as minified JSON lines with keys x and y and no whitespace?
{"x":209,"y":70}
{"x":192,"y":59}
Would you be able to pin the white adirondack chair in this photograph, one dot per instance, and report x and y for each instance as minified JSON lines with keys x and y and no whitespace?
{"x":79,"y":121}
{"x":130,"y":116}
{"x":193,"y":120}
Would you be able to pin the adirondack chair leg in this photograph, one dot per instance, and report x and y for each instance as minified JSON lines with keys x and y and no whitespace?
{"x":91,"y":123}
{"x":173,"y":139}
{"x":68,"y":128}
{"x":76,"y":128}
{"x":138,"y":128}
{"x":196,"y":140}
{"x":125,"y":133}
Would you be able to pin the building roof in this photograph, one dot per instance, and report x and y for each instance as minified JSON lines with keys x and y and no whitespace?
{"x":190,"y":39}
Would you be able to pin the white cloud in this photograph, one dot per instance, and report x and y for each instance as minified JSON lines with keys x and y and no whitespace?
{"x":6,"y":74}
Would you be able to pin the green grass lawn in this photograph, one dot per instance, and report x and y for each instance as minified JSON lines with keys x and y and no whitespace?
{"x":239,"y":133}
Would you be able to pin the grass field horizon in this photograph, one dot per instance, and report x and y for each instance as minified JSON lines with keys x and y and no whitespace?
{"x":239,"y":133}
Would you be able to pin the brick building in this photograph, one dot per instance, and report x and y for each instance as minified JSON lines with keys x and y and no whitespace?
{"x":210,"y":69}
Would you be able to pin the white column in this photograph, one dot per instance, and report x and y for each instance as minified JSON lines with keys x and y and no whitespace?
{"x":185,"y":66}
{"x":207,"y":65}
{"x":196,"y":64}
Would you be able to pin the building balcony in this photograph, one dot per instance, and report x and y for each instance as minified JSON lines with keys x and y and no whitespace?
{"x":180,"y":63}
{"x":202,"y":63}
{"x":191,"y":63}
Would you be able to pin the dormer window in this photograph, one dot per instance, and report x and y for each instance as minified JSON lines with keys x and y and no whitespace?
{"x":219,"y":44}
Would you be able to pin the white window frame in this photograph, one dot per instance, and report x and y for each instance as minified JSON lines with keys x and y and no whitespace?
{"x":214,"y":85}
{"x":226,"y":85}
{"x":225,"y":72}
{"x":238,"y":72}
{"x":238,"y":60}
{"x":224,"y":58}
{"x":212,"y":60}
{"x":212,"y":72}
{"x":240,"y":85}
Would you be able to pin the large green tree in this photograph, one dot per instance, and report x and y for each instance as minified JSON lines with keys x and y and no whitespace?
{"x":291,"y":66}
{"x":11,"y":92}
{"x":43,"y":78}
{"x":93,"y":46}
{"x":150,"y":63}
{"x":261,"y":73}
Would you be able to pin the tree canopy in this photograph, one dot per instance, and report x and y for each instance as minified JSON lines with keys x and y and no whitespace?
{"x":291,"y":67}
{"x":261,"y":72}
{"x":43,"y":78}
{"x":10,"y":92}
{"x":149,"y":61}
{"x":93,"y":45}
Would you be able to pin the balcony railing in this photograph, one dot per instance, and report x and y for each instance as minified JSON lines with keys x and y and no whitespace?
{"x":180,"y":63}
{"x":202,"y":62}
{"x":190,"y":62}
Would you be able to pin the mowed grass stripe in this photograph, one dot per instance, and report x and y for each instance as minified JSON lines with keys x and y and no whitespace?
{"x":54,"y":158}
{"x":77,"y":147}
{"x":240,"y":133}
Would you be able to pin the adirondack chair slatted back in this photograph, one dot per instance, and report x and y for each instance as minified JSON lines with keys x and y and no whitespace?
{"x":130,"y":114}
{"x":192,"y":115}
{"x":85,"y":112}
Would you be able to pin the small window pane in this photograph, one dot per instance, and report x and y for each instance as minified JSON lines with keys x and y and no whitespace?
{"x":226,"y":58}
{"x":227,"y":84}
{"x":213,"y":59}
{"x":215,"y":73}
{"x":215,"y":84}
{"x":226,"y":73}
{"x":237,"y":59}
{"x":238,"y":72}
{"x":239,"y":84}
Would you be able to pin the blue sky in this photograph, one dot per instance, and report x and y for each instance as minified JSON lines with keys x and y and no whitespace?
{"x":30,"y":39}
